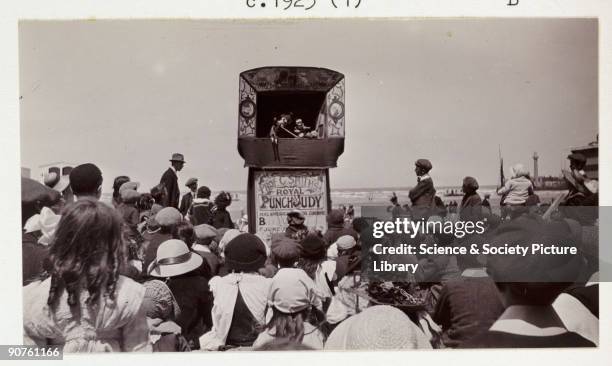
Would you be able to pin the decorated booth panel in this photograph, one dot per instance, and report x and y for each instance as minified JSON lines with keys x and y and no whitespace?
{"x":277,"y":192}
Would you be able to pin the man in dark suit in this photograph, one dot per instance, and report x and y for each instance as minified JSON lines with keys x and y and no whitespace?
{"x":422,"y":196}
{"x":187,"y":200}
{"x":170,"y":180}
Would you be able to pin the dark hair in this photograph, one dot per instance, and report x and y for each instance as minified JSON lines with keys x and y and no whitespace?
{"x":360,"y":224}
{"x":85,"y":180}
{"x":223,"y":200}
{"x":145,"y":202}
{"x":87,"y":253}
{"x":288,"y":326}
{"x":203,"y":192}
{"x":184,"y":231}
{"x":117,"y":183}
{"x":158,"y":193}
{"x":309,"y":266}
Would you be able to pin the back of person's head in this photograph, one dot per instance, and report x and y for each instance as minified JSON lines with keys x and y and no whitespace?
{"x":291,"y":296}
{"x":145,"y":202}
{"x":168,"y":218}
{"x":86,"y":180}
{"x":118,"y":182}
{"x":533,"y":279}
{"x":184,"y":231}
{"x":223,"y":200}
{"x":158,"y":193}
{"x":519,"y":170}
{"x":285,"y":251}
{"x":335,"y":218}
{"x":470,"y":185}
{"x":87,"y":252}
{"x":203,"y":192}
{"x":360,"y":224}
{"x":245,"y":253}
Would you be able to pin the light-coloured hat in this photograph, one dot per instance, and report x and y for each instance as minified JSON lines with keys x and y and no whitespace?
{"x":346,"y":242}
{"x":291,"y":291}
{"x":48,"y":222}
{"x":205,"y":233}
{"x":129,"y":196}
{"x":377,"y":327}
{"x":133,"y":186}
{"x":173,"y":258}
{"x":57,"y":183}
{"x":168,"y":216}
{"x":191,"y":181}
{"x":227,"y":237}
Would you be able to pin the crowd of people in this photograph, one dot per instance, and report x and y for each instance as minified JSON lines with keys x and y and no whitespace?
{"x":154,"y":271}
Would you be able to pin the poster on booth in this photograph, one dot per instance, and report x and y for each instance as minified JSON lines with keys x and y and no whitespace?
{"x":279,"y":192}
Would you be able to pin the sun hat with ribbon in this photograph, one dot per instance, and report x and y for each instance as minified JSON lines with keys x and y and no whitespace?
{"x":173,"y":258}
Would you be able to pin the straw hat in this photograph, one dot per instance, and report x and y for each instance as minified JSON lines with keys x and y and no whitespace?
{"x":159,"y":302}
{"x":173,"y":258}
{"x":346,"y":242}
{"x":377,"y":327}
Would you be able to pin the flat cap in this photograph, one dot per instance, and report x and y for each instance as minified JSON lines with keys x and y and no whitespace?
{"x":191,"y":181}
{"x":424,"y":164}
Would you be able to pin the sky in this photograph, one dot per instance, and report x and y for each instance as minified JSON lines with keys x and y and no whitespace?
{"x":125,"y":95}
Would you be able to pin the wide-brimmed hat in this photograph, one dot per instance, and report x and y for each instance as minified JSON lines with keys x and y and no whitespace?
{"x":57,"y":182}
{"x":178,"y":157}
{"x":191,"y":181}
{"x":245,"y":253}
{"x":291,"y":291}
{"x":173,"y":258}
{"x":377,"y":327}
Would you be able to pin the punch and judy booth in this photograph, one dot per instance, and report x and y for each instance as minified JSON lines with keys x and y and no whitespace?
{"x":291,"y":125}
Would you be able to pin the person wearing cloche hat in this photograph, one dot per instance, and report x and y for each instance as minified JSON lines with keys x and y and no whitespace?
{"x":293,"y":301}
{"x":127,"y":208}
{"x":187,"y":200}
{"x":240,"y":297}
{"x":179,"y":267}
{"x":170,"y":180}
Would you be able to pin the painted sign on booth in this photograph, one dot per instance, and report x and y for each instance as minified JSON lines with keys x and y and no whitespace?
{"x":277,"y":192}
